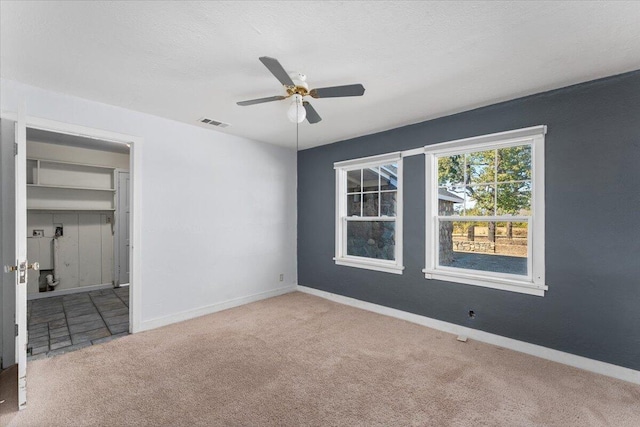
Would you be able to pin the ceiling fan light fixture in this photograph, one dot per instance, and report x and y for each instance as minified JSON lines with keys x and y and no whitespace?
{"x":296,"y":112}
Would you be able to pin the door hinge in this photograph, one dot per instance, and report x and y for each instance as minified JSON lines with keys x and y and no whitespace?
{"x":16,"y":329}
{"x":15,"y":149}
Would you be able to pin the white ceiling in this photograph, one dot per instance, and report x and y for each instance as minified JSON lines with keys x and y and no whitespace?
{"x":417,"y":60}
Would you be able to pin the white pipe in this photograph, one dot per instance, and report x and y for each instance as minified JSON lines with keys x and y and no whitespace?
{"x":51,"y":282}
{"x":55,"y":280}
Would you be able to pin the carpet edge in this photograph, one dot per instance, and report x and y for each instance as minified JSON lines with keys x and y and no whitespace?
{"x":580,"y":362}
{"x":158,"y":322}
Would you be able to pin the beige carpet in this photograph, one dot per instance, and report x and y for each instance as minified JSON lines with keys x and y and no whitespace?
{"x":301,"y":360}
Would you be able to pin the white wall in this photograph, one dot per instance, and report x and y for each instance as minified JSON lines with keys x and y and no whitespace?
{"x":218,"y":212}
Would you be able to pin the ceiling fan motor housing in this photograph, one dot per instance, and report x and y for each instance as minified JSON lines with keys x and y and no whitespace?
{"x":300,"y":85}
{"x":298,"y":77}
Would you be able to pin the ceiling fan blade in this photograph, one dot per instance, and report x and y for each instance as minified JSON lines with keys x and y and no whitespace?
{"x":261,"y":100}
{"x":312,"y":114}
{"x":276,"y":69}
{"x":338,"y":91}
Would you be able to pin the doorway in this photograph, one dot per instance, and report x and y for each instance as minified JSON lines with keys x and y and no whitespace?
{"x":14,"y":301}
{"x":14,"y":229}
{"x":77,"y":231}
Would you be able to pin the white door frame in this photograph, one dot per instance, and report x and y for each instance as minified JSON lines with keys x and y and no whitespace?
{"x":118,"y":222}
{"x":135,"y":149}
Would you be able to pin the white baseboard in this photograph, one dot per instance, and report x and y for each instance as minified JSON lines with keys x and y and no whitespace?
{"x":608,"y":369}
{"x":213,"y":308}
{"x":69,"y":291}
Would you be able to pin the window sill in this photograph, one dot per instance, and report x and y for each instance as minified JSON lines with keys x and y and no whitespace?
{"x":520,"y":286}
{"x":370,"y":265}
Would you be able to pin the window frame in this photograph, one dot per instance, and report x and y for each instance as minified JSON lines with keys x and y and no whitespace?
{"x":534,"y":282}
{"x":341,"y":258}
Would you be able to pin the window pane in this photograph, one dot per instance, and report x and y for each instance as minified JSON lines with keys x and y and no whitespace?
{"x":353,"y":181}
{"x":481,"y":167}
{"x":500,"y":247}
{"x":451,"y":170}
{"x":388,"y":204}
{"x":371,"y":239}
{"x":480,"y":200}
{"x":514,"y":199}
{"x":354,"y":203}
{"x":370,"y":207}
{"x":514,"y":163}
{"x":389,"y":177}
{"x":370,"y":179}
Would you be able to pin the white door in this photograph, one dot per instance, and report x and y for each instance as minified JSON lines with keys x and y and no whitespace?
{"x":122,"y":227}
{"x":22,"y":264}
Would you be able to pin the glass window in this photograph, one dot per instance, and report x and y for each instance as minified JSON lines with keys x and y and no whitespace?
{"x":484,"y":227}
{"x":368,"y":220}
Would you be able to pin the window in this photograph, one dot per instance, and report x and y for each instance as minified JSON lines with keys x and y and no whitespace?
{"x":369,"y":213}
{"x":485,"y":211}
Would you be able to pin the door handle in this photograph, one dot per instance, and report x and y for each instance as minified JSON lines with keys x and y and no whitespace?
{"x":22,"y":268}
{"x":12,"y":268}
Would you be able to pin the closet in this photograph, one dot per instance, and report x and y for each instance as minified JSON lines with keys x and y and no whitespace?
{"x":73,"y":223}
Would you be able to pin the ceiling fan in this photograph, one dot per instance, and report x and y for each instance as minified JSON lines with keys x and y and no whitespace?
{"x":296,"y":86}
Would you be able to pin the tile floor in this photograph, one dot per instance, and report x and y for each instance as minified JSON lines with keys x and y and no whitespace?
{"x":69,"y":322}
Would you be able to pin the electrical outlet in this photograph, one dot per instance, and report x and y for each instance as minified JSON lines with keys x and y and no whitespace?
{"x":38,"y":233}
{"x":281,"y":277}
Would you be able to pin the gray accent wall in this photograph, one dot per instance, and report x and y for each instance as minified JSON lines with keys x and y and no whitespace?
{"x":592,"y":307}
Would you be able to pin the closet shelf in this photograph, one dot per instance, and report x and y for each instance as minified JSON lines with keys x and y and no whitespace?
{"x":63,"y":162}
{"x":68,"y":186}
{"x":70,"y":209}
{"x":71,"y":187}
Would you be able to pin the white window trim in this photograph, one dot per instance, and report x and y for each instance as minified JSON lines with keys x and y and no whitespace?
{"x":534,"y":284}
{"x":341,"y":258}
